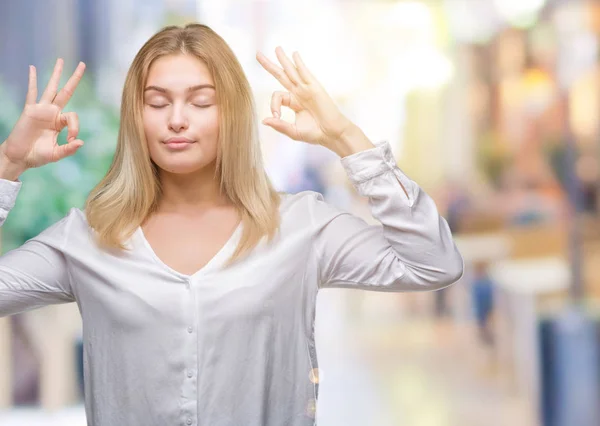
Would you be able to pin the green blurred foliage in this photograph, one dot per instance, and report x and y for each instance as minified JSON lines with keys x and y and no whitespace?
{"x":49,"y":192}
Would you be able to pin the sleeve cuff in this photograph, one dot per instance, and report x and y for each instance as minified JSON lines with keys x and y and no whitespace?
{"x":8,"y":193}
{"x":364,"y":165}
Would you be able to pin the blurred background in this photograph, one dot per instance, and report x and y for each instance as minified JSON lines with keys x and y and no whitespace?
{"x":492,"y":106}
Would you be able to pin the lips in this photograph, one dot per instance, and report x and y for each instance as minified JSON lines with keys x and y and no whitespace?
{"x":178,"y":141}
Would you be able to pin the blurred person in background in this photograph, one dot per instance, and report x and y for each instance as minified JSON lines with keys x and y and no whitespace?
{"x":482,"y":294}
{"x":195,"y":279}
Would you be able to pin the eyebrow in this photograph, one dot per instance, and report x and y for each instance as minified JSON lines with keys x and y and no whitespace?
{"x":189,"y":89}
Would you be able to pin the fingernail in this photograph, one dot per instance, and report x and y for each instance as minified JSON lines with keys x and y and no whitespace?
{"x":275,"y":114}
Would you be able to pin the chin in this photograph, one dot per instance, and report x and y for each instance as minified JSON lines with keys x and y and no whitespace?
{"x":184,"y":167}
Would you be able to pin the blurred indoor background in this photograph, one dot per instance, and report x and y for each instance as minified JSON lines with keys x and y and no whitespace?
{"x":492,"y":106}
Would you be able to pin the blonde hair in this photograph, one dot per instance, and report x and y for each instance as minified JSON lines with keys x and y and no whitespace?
{"x":131,"y":189}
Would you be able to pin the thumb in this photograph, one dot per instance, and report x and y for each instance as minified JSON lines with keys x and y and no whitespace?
{"x":281,"y":126}
{"x":67,"y":149}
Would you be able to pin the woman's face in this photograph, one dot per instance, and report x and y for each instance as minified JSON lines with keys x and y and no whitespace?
{"x":181,"y":117}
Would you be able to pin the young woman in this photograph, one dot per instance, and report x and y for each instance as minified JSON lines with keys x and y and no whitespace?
{"x":195,"y":279}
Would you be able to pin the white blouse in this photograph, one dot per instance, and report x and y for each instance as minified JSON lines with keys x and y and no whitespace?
{"x":233,"y":346}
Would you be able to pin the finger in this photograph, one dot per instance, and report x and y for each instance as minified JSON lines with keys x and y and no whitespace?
{"x":283,"y":98}
{"x":71,"y":121}
{"x":62,"y":98}
{"x":32,"y":87}
{"x":282,"y":126}
{"x":276,"y":101}
{"x":288,"y":66}
{"x":275,"y":71}
{"x":303,"y":70}
{"x":52,"y":86}
{"x":62,"y":151}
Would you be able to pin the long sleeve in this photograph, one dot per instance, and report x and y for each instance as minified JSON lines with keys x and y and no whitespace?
{"x":34,"y":274}
{"x":413,"y":248}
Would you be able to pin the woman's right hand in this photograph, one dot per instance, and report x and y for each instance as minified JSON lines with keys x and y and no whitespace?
{"x":33,"y":141}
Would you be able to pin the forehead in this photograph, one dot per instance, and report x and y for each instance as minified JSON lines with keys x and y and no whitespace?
{"x":178,"y":72}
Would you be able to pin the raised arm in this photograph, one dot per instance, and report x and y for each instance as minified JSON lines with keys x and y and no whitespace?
{"x":36,"y":274}
{"x":413,"y":250}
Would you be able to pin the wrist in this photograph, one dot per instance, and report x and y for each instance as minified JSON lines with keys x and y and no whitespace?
{"x":8,"y":169}
{"x":350,"y":141}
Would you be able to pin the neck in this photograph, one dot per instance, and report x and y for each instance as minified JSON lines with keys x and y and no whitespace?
{"x":190,"y":193}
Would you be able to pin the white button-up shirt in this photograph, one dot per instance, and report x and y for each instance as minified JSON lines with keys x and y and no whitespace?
{"x":227,"y":346}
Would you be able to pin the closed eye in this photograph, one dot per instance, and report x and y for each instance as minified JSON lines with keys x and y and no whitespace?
{"x":162,"y":106}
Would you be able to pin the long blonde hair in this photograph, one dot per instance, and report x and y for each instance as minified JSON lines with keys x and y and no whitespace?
{"x":131,"y":189}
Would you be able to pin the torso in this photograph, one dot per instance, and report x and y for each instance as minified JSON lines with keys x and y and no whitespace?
{"x":251,"y":321}
{"x":187,"y":243}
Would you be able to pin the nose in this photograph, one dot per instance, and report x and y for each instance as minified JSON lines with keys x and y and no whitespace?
{"x":178,"y":120}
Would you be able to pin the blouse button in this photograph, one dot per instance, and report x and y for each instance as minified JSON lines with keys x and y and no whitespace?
{"x":189,"y":421}
{"x":190,"y":329}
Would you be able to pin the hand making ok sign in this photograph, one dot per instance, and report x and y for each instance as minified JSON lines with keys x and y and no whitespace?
{"x":33,"y":140}
{"x":318,"y":120}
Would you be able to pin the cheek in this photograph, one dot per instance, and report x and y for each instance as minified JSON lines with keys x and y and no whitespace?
{"x":208,"y":122}
{"x":212,"y":132}
{"x":151,"y":124}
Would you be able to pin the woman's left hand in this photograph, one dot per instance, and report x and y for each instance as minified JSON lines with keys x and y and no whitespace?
{"x":318,"y":120}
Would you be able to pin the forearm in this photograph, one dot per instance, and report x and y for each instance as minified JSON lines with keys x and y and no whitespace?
{"x":419,"y":236}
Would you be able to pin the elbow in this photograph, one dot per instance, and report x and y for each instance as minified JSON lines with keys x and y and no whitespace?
{"x":448,"y":269}
{"x":452,"y":272}
{"x":437,"y":269}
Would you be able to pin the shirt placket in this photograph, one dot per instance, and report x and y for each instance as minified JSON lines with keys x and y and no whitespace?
{"x":189,"y":413}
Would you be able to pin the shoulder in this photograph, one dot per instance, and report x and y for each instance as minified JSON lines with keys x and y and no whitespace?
{"x":303,"y":201}
{"x":303,"y":197}
{"x":308,"y":207}
{"x":57,"y":234}
{"x":79,"y":229}
{"x":73,"y":222}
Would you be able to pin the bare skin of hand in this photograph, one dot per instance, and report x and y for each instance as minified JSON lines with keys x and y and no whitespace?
{"x":33,"y":142}
{"x":318,"y":119}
